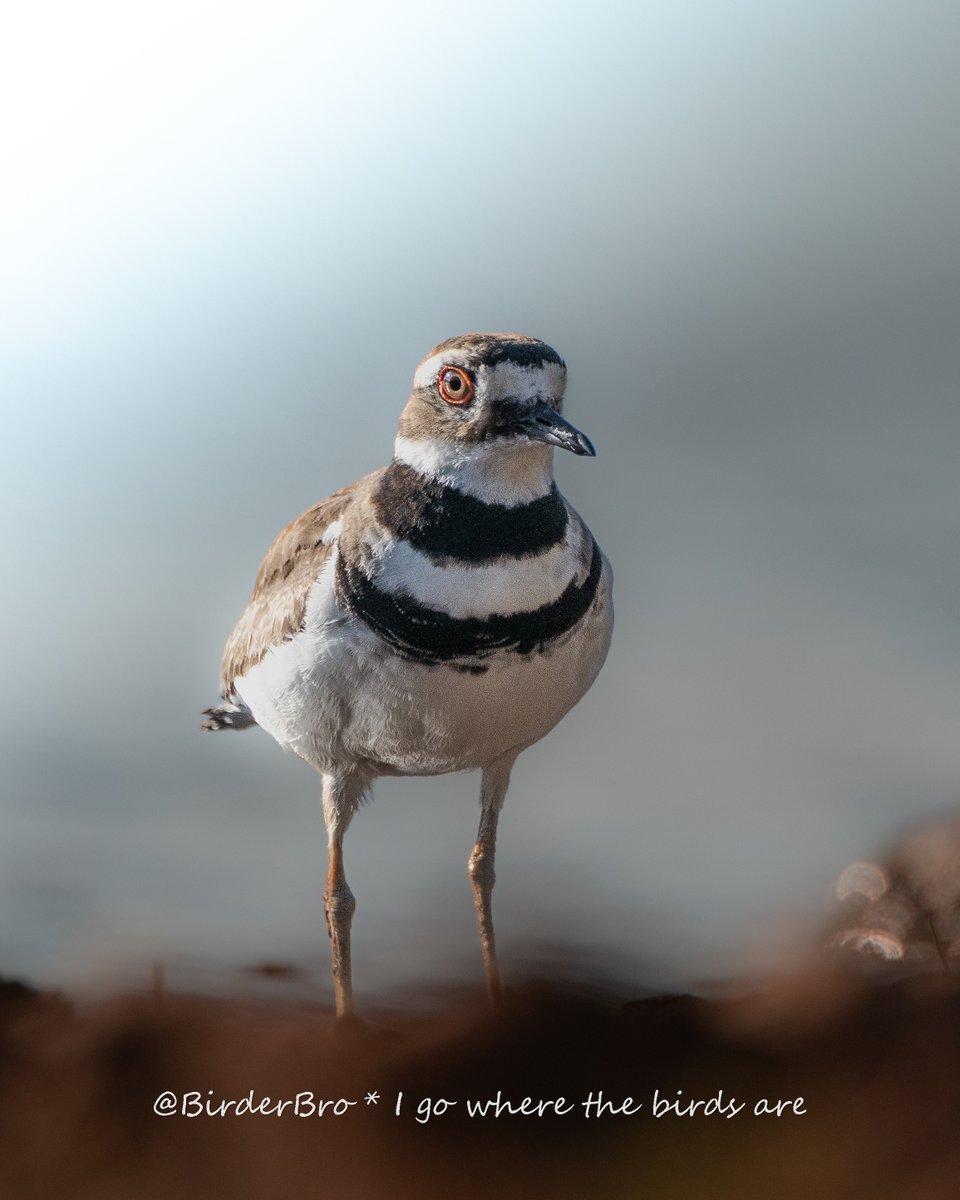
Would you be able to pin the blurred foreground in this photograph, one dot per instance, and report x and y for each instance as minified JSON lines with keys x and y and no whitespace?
{"x":875,"y":1060}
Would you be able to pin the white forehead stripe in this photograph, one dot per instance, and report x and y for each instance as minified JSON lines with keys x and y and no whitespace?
{"x":502,"y":379}
{"x":495,"y":472}
{"x":426,"y":374}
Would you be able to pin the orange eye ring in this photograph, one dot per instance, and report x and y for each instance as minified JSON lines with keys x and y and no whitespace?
{"x":456,"y":386}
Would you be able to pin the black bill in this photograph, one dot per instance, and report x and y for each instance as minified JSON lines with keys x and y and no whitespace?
{"x":544,"y":424}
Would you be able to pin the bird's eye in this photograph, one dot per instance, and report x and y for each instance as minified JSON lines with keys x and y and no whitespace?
{"x":456,"y":386}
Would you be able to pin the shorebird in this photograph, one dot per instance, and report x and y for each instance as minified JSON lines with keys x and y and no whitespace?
{"x":440,"y":614}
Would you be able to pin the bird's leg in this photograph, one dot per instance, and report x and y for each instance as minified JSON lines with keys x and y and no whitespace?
{"x":340,"y":800}
{"x":480,"y":868}
{"x":338,"y":907}
{"x":483,"y":877}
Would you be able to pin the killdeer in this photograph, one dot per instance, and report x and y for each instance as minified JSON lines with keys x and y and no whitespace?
{"x":440,"y":614}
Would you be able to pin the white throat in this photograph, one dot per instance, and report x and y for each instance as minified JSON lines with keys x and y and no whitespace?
{"x":494,"y":472}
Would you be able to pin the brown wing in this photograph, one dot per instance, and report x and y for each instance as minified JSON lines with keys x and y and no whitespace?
{"x":279,"y":599}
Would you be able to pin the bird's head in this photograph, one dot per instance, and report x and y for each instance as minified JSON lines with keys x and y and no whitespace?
{"x":502,"y":391}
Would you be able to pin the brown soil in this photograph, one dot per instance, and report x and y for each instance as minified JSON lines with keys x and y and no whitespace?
{"x":877,"y":1064}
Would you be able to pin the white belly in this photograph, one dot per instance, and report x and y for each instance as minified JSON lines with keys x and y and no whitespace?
{"x":338,"y":697}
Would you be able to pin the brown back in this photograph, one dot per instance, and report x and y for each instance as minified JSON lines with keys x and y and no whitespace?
{"x":287,"y":573}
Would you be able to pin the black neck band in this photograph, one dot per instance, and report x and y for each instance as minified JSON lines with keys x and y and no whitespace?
{"x":428,"y":635}
{"x":445,"y":523}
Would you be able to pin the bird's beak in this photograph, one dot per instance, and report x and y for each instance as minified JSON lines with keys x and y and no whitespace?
{"x":544,"y":424}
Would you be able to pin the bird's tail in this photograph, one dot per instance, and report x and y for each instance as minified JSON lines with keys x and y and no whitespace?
{"x":232,"y":714}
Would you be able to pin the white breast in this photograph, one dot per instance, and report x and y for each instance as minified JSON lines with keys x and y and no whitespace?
{"x":334,"y":694}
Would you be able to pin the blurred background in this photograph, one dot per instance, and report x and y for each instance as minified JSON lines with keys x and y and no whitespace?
{"x":228,"y":235}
